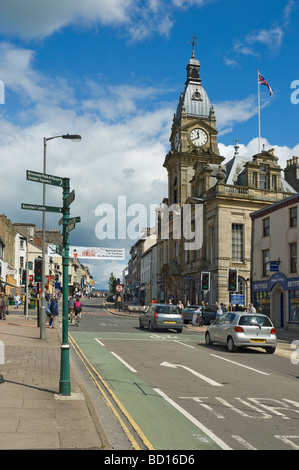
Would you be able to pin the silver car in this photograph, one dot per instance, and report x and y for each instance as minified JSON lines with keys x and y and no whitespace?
{"x":237,"y":329}
{"x":188,"y":313}
{"x":162,"y":316}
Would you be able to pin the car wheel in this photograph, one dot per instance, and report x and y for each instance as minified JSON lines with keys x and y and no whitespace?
{"x":180,"y":330}
{"x":270,"y":350}
{"x":140,"y":325}
{"x":231,"y":345}
{"x":208,"y":339}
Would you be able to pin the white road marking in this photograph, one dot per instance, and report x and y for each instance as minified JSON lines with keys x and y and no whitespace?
{"x":193,"y":420}
{"x":244,"y":443}
{"x":287,"y":440}
{"x":184,"y":344}
{"x":241,"y":365}
{"x":98,"y":341}
{"x":203,"y":377}
{"x":123,"y":362}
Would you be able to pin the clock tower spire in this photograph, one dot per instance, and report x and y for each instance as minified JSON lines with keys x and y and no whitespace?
{"x":193,"y":136}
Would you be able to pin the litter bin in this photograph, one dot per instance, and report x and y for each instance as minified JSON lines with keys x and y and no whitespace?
{"x":32,"y":303}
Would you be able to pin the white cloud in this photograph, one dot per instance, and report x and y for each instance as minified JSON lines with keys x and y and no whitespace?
{"x":38,"y":19}
{"x":272,"y":38}
{"x":228,"y":113}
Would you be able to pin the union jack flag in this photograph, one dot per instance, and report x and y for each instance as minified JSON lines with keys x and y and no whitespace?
{"x":262,"y":81}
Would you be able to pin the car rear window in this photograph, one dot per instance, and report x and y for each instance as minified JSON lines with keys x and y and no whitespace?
{"x":254,"y":320}
{"x":168,"y":309}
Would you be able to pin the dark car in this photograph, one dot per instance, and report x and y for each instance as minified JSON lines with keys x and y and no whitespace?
{"x":162,"y":316}
{"x":207,"y":314}
{"x":188,"y":313}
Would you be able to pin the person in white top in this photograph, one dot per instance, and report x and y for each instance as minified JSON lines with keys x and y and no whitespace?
{"x":251,"y":309}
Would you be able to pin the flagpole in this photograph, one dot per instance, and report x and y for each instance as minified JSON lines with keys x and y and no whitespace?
{"x":259,"y":109}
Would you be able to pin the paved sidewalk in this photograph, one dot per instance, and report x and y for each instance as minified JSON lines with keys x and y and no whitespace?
{"x":32,"y":413}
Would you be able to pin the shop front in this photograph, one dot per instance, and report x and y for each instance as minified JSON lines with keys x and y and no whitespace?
{"x":278,"y":297}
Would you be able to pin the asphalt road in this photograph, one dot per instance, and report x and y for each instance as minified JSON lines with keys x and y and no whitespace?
{"x":172,"y":392}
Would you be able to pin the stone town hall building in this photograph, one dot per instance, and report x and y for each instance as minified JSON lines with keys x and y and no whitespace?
{"x":227,"y":193}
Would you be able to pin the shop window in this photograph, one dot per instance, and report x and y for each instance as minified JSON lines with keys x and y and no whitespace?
{"x":294,"y":306}
{"x":262,"y":302}
{"x":293,"y":217}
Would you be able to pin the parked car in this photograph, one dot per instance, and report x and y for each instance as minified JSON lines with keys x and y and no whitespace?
{"x":239,"y":329}
{"x":162,"y":316}
{"x":207,"y":314}
{"x":188,"y":313}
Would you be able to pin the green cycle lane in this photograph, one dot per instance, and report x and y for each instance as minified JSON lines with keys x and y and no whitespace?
{"x":165,"y":426}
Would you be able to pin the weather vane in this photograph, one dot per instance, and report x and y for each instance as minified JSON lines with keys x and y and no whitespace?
{"x":194,"y":39}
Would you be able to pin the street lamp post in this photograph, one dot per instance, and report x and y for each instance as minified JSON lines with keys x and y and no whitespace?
{"x":74,"y":138}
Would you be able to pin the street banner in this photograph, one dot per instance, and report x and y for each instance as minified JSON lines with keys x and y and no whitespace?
{"x":95,"y":253}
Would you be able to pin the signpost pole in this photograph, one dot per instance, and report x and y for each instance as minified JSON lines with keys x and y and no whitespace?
{"x":65,"y":384}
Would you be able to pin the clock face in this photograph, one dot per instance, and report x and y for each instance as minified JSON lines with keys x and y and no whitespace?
{"x":198,"y":137}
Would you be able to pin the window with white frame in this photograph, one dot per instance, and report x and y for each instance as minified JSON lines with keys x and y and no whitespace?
{"x":238,"y":243}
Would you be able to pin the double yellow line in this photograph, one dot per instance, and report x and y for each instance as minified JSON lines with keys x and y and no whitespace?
{"x":105,"y":390}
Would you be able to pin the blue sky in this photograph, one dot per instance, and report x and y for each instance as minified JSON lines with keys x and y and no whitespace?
{"x":113,"y":71}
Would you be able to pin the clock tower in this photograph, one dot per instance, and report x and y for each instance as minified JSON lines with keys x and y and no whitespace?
{"x":193,"y":136}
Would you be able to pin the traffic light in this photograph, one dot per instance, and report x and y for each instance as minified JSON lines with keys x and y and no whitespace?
{"x":24,"y":276}
{"x":205,"y":281}
{"x":232,"y":280}
{"x":38,"y":268}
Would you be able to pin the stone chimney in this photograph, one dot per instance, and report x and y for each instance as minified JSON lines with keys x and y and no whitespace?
{"x":291,"y":173}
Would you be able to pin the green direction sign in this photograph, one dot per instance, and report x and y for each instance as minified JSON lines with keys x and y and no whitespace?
{"x":70,"y":198}
{"x":44,"y":178}
{"x":37,"y":207}
{"x":72,"y":223}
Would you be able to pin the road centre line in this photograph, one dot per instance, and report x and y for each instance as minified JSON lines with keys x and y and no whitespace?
{"x":123,"y":362}
{"x":193,"y":420}
{"x":241,"y":365}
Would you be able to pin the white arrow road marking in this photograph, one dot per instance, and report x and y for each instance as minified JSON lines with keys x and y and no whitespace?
{"x":203,"y":377}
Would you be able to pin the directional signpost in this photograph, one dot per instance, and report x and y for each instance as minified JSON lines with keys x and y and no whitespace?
{"x":68,"y":225}
{"x":37,"y":207}
{"x":44,"y":178}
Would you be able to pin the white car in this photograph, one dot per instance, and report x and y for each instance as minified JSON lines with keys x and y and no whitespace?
{"x":239,"y":329}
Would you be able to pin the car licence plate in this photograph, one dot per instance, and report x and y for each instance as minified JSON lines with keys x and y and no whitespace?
{"x":169,"y":322}
{"x":257,"y":340}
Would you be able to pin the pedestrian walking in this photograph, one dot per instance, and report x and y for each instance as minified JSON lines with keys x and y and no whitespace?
{"x":17,"y":301}
{"x":251,"y":309}
{"x":3,"y":306}
{"x":180,"y":305}
{"x":71,"y":306}
{"x":53,"y":307}
{"x":219,"y":311}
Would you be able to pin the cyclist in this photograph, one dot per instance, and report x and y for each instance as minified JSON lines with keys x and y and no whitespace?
{"x":78,"y":310}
